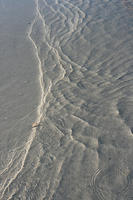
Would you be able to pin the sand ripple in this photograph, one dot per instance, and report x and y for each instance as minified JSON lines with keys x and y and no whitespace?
{"x":83,"y":146}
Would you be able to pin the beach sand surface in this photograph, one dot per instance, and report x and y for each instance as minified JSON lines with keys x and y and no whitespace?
{"x":67,"y":66}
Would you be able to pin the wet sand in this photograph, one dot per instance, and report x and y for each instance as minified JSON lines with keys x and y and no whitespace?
{"x":19,"y":87}
{"x":72,"y":63}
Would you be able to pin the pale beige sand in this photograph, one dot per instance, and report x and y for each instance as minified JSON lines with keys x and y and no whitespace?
{"x":83,"y":146}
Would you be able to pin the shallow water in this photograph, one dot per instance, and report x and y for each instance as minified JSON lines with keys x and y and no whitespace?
{"x":82,"y":56}
{"x":19,"y":88}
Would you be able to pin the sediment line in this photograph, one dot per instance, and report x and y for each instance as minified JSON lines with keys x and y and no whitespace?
{"x":51,"y":47}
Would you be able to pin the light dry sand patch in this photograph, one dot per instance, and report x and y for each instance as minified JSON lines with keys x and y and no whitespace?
{"x":83,"y":148}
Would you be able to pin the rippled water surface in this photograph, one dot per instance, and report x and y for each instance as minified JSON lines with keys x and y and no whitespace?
{"x":81,"y":52}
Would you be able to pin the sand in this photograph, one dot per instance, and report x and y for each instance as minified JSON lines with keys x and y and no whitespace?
{"x":66,"y":88}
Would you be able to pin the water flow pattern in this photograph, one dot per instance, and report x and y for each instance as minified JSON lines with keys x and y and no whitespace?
{"x":83,"y":146}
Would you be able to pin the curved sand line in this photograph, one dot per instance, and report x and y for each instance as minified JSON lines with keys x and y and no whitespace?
{"x":43,"y":94}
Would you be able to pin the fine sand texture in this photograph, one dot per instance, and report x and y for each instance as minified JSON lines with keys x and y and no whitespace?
{"x":73,"y":134}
